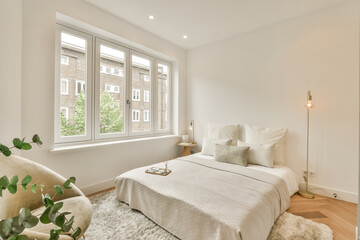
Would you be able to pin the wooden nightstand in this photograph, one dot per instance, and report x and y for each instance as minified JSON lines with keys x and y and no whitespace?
{"x":187,"y":148}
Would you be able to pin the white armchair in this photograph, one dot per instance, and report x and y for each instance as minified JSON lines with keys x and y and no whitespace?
{"x":10,"y":205}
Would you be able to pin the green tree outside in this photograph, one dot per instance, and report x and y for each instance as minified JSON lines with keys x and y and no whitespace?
{"x":111,"y":120}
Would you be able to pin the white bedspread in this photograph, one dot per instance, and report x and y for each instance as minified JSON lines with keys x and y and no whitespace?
{"x":204,"y":199}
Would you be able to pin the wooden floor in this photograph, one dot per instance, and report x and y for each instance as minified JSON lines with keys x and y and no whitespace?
{"x":340,"y":216}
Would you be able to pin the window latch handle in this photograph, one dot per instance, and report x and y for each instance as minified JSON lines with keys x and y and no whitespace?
{"x":128,"y":102}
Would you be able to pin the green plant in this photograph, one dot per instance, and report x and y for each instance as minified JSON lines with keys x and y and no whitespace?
{"x":11,"y":228}
{"x":111,"y":119}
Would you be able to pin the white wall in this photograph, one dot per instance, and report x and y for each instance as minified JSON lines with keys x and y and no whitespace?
{"x":10,"y":69}
{"x":262,"y":78}
{"x":95,"y":167}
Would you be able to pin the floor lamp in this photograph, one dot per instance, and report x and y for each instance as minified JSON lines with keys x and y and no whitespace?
{"x":307,"y":193}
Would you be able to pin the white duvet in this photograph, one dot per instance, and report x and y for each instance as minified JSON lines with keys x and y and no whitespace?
{"x":205,"y":199}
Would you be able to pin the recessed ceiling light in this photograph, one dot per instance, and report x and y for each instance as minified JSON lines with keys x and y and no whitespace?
{"x":151,"y":17}
{"x":185,"y":37}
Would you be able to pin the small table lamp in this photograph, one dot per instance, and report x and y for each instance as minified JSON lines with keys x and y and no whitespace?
{"x":307,"y":193}
{"x":191,"y":128}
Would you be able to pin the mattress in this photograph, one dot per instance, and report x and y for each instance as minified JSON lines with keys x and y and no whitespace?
{"x":206,"y":199}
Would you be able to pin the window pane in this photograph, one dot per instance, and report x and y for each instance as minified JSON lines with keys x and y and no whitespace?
{"x":163,"y":93}
{"x":112,"y":90}
{"x":141,"y":97}
{"x":72,"y":70}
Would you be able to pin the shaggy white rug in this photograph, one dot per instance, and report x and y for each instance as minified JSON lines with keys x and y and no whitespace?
{"x":115,"y":220}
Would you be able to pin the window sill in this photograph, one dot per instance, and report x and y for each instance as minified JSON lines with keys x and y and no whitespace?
{"x":67,"y":147}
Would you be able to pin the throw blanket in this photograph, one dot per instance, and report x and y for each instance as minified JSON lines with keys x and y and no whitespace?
{"x":205,"y":199}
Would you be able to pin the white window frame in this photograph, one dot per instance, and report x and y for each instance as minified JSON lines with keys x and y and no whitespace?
{"x":146,"y":116}
{"x":89,"y":76}
{"x":146,"y":96}
{"x":151,"y":130}
{"x":66,"y":81}
{"x":97,"y":134}
{"x":137,"y":113}
{"x":66,"y":112}
{"x":66,"y":58}
{"x":168,"y":111}
{"x":136,"y":95}
{"x":92,"y":85}
{"x":83,"y":86}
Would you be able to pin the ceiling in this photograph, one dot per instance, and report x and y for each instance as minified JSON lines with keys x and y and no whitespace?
{"x":207,"y":21}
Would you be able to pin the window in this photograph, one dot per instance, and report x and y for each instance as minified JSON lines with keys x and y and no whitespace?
{"x":146,"y":78}
{"x":64,"y":60}
{"x":136,"y":95}
{"x":64,"y":111}
{"x":80,"y":87}
{"x":118,"y":72}
{"x":64,"y":88}
{"x":102,"y":69}
{"x":162,"y":96}
{"x":146,"y":96}
{"x":136,"y":115}
{"x":141,"y":65}
{"x":112,"y":88}
{"x":146,"y":115}
{"x":101,"y":99}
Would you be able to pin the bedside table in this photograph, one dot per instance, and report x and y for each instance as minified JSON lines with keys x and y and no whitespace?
{"x":187,"y":148}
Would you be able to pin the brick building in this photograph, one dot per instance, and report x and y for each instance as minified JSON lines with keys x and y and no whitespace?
{"x":112,"y":81}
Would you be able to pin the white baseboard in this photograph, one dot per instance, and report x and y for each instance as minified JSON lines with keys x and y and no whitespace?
{"x":93,"y":188}
{"x":329,"y":192}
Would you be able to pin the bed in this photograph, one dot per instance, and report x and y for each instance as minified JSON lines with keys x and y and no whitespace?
{"x":205,"y":199}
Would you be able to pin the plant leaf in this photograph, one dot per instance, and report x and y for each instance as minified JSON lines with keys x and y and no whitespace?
{"x":59,"y":190}
{"x":24,"y":214}
{"x":31,"y":222}
{"x":6,"y":226}
{"x":13,"y":185}
{"x":76,"y":233}
{"x":57,"y":206}
{"x":5,"y":150}
{"x":66,"y":185}
{"x":45,"y":216}
{"x":60,"y":220}
{"x":42,"y":187}
{"x":54,"y":235}
{"x":26,"y":146}
{"x":47,"y":200}
{"x":36,"y":139}
{"x":22,"y":237}
{"x":67,"y":226}
{"x":33,"y":188}
{"x":17,"y":143}
{"x":4,"y":182}
{"x":26,"y":181}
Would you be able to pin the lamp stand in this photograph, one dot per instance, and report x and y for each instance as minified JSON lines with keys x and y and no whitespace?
{"x":307,"y":193}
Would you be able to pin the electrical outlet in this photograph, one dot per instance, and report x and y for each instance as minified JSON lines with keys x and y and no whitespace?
{"x":311,"y":173}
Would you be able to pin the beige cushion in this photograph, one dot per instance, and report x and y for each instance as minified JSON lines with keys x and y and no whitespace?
{"x":262,"y":135}
{"x":260,"y":154}
{"x":223,"y":131}
{"x":232,"y":154}
{"x":208,"y":147}
{"x":80,"y":208}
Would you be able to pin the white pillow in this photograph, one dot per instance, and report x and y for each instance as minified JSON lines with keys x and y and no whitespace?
{"x":260,"y":154}
{"x":261,"y":135}
{"x":208,"y":147}
{"x":222,"y":131}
